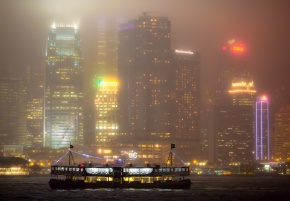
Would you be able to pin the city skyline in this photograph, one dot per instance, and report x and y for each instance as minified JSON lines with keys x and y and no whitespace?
{"x":95,"y":62}
{"x":201,"y":26}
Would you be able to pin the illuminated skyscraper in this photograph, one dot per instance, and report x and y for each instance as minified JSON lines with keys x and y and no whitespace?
{"x":235,"y":125}
{"x":106,"y":49}
{"x":35,"y":100}
{"x":282,"y":135}
{"x":186,"y":99}
{"x":262,"y":138}
{"x":144,"y":67}
{"x":13,"y":105}
{"x":106,"y":113}
{"x":105,"y":66}
{"x":233,"y":110}
{"x":35,"y":121}
{"x":63,"y":88}
{"x":232,"y":67}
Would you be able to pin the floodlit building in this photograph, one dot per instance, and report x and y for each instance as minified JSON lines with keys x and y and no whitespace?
{"x":262,"y":137}
{"x":63,"y":88}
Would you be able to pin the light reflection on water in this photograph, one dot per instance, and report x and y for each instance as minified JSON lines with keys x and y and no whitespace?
{"x":203,"y":188}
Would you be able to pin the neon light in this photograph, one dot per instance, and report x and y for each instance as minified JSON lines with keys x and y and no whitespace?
{"x":262,"y":148}
{"x":238,"y":48}
{"x":243,"y":84}
{"x":242,"y":90}
{"x":264,"y":98}
{"x":105,"y":83}
{"x":183,"y":52}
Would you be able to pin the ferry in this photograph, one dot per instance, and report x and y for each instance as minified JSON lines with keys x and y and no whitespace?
{"x":13,"y":166}
{"x":83,"y":176}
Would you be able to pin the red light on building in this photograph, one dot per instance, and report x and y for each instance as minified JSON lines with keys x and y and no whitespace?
{"x":264,"y":98}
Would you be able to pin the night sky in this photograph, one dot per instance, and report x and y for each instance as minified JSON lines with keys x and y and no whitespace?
{"x":197,"y":25}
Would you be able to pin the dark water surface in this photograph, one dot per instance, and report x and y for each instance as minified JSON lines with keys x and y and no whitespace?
{"x":203,"y":188}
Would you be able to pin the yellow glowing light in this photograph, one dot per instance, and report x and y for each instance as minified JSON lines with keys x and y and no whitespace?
{"x":108,"y":83}
{"x":107,"y":151}
{"x":242,"y":90}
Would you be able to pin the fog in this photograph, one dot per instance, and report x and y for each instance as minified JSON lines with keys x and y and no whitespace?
{"x":197,"y":25}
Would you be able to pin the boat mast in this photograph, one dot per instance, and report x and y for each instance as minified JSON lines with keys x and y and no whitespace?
{"x":170,"y":154}
{"x":70,"y":154}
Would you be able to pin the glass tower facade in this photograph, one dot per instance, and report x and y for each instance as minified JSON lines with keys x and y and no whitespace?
{"x":63,"y":88}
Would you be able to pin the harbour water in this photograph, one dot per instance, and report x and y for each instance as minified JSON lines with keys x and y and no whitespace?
{"x":203,"y":188}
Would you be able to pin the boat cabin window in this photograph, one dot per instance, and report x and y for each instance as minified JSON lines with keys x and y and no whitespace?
{"x":99,"y":170}
{"x":136,"y":171}
{"x":60,"y":168}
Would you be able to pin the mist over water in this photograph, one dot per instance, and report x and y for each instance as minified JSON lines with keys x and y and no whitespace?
{"x":203,"y":188}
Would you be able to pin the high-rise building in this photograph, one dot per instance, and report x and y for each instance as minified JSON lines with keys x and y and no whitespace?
{"x":35,"y":102}
{"x":282,"y":135}
{"x":231,"y":67}
{"x":186,"y":103}
{"x":262,"y":137}
{"x":13,"y":105}
{"x":144,"y":56}
{"x":233,"y":108}
{"x":63,"y":88}
{"x":106,"y":113}
{"x":235,"y":125}
{"x":104,"y":66}
{"x":106,"y":54}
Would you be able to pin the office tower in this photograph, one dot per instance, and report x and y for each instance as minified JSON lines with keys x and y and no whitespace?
{"x":104,"y":66}
{"x":35,"y":121}
{"x":35,"y":102}
{"x":186,"y":103}
{"x":144,"y":69}
{"x":233,"y":109}
{"x":106,"y":48}
{"x":13,"y":130}
{"x":106,"y":113}
{"x":282,"y":135}
{"x":262,"y":138}
{"x":63,"y":88}
{"x":231,"y":67}
{"x":234,"y":124}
